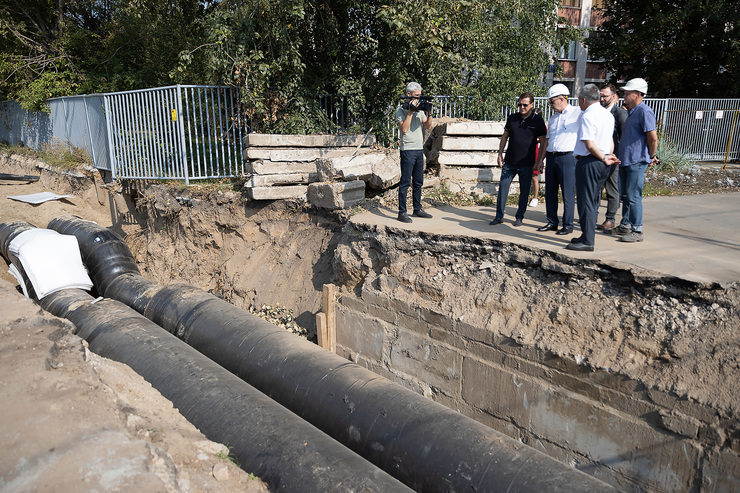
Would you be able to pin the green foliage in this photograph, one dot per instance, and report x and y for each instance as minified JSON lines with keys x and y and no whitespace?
{"x":671,"y":159}
{"x":56,"y":154}
{"x":282,"y":53}
{"x":683,"y":49}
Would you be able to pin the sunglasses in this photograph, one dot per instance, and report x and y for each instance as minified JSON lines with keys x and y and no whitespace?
{"x":552,"y":101}
{"x":524,"y":105}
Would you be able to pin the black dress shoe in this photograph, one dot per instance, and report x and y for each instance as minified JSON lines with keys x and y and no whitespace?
{"x":404,"y":218}
{"x":496,"y":220}
{"x":565,"y":231}
{"x":577,"y":240}
{"x":422,"y":213}
{"x":580,"y":247}
{"x":548,"y":227}
{"x":517,"y":222}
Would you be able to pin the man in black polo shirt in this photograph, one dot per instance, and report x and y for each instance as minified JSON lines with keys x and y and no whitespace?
{"x":523,"y":130}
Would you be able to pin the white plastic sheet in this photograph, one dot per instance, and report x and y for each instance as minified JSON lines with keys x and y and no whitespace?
{"x":38,"y":198}
{"x":51,"y":261}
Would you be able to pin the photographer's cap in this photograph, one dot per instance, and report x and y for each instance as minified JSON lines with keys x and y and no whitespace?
{"x":558,"y":90}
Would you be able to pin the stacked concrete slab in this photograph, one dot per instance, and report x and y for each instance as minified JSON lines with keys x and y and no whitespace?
{"x":467,"y":155}
{"x":331,"y":171}
{"x":282,"y":166}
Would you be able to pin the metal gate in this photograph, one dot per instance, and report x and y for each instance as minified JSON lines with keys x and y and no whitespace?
{"x":176,"y":132}
{"x":704,"y":129}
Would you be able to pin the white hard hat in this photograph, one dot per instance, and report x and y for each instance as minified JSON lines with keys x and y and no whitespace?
{"x":638,"y":84}
{"x":558,"y":90}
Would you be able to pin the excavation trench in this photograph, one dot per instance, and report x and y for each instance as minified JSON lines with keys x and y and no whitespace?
{"x":626,"y":375}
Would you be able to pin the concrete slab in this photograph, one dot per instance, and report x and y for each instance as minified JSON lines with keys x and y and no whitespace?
{"x":286,"y":179}
{"x":462,"y":158}
{"x":279,"y":140}
{"x":475,"y":128}
{"x":693,"y":237}
{"x":273,"y":168}
{"x":470,"y":143}
{"x":274,"y":193}
{"x":307,"y":154}
{"x":470,"y":174}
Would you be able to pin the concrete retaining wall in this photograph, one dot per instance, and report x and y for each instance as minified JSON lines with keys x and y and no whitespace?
{"x":635,"y":438}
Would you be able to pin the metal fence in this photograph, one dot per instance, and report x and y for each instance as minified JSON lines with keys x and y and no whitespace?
{"x":177,"y":132}
{"x":195,"y":132}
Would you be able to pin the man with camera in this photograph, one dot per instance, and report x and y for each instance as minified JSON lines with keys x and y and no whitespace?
{"x":413,"y":116}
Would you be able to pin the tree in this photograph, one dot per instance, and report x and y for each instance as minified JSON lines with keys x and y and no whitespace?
{"x":683,"y":48}
{"x":281,"y":53}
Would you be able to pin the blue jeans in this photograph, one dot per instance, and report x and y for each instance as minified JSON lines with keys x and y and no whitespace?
{"x":631,"y":181}
{"x":525,"y":183}
{"x":412,"y":167}
{"x":560,"y":174}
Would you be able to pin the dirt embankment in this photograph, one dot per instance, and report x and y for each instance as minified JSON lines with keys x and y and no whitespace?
{"x":665,"y":333}
{"x":73,"y":421}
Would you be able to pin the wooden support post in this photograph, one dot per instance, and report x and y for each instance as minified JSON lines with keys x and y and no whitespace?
{"x":321,"y":333}
{"x":329,"y":307}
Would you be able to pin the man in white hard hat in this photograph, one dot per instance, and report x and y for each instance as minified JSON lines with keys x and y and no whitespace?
{"x":562,"y":129}
{"x":609,"y":99}
{"x":594,"y":159}
{"x":637,"y":148}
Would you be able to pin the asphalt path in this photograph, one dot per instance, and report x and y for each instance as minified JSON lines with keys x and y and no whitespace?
{"x":693,"y":237}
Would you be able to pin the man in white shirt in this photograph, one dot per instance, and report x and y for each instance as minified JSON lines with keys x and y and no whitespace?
{"x":594,"y":158}
{"x":562,"y":130}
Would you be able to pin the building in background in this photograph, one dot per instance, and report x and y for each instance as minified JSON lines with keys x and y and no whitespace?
{"x":577,"y":67}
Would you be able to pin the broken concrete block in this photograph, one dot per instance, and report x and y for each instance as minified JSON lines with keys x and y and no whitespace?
{"x":274,"y":193}
{"x":279,"y":140}
{"x":307,"y":154}
{"x":326,"y":171}
{"x":475,"y":128}
{"x":284,"y":179}
{"x":470,"y":174}
{"x":470,"y":143}
{"x":386,"y":173}
{"x":261,"y":167}
{"x":334,"y":196}
{"x":459,"y":158}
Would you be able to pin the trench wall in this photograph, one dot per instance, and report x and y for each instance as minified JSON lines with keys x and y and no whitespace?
{"x":606,"y":424}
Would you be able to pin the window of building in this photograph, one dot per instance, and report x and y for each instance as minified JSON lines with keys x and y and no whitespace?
{"x":598,"y":4}
{"x":571,"y":3}
{"x":567,"y":52}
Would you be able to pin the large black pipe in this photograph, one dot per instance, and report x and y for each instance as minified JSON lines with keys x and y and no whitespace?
{"x":424,"y":444}
{"x":285,"y":451}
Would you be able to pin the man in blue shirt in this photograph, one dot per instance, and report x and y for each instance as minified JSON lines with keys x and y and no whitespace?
{"x":637,"y":148}
{"x":522,"y":130}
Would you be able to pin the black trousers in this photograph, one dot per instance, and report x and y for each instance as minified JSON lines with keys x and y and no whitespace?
{"x":591,"y":174}
{"x":412,"y":167}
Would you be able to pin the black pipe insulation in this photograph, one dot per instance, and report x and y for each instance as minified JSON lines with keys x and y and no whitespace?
{"x":285,"y":451}
{"x":424,"y":444}
{"x":8,"y":232}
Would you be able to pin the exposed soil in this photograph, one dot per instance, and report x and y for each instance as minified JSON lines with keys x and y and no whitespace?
{"x":679,"y":338}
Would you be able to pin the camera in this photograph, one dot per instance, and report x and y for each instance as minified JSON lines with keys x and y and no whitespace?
{"x":424,"y":103}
